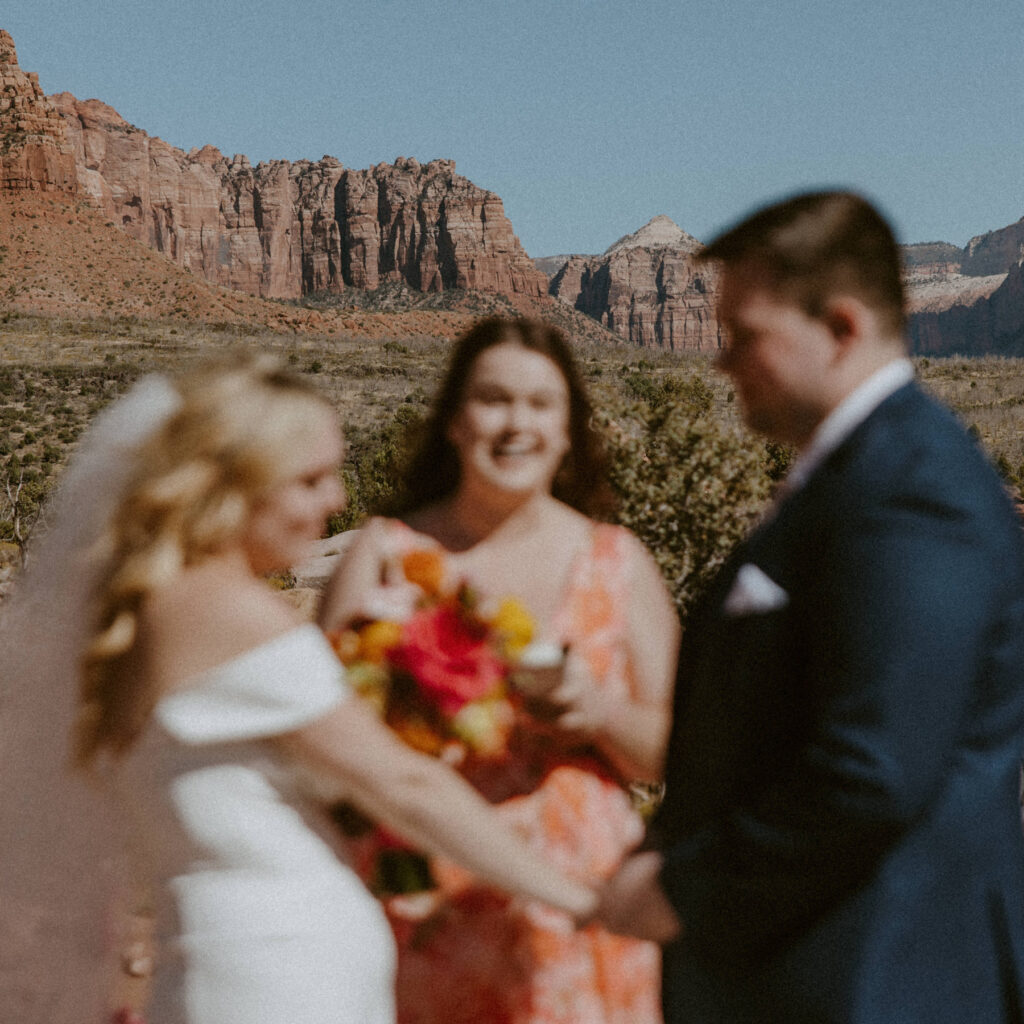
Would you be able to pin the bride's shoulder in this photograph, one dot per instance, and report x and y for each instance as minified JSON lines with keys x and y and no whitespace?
{"x":205,"y":618}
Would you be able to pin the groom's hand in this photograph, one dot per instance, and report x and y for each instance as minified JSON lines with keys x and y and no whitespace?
{"x":632,"y":902}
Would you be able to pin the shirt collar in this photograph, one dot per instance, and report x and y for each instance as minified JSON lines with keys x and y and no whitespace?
{"x":837,"y":426}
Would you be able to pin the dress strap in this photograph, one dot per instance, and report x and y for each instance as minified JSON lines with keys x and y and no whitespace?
{"x":594,"y":603}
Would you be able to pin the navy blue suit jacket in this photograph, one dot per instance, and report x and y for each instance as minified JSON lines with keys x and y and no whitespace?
{"x":841,"y":826}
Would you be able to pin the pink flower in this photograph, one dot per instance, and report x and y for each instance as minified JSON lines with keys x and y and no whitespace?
{"x":450,"y":657}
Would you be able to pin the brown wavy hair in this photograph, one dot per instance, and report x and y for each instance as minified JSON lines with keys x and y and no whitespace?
{"x":433,"y":471}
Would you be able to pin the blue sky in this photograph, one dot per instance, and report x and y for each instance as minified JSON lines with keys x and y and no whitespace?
{"x":587,"y":117}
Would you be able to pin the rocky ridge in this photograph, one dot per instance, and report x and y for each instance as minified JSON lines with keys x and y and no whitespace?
{"x":34,"y":150}
{"x":659,"y":232}
{"x":647,"y":288}
{"x":285,"y":229}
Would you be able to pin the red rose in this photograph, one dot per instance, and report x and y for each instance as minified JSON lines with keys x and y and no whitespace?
{"x":448,"y":654}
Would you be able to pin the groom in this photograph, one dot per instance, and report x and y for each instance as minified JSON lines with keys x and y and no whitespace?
{"x":840,"y":839}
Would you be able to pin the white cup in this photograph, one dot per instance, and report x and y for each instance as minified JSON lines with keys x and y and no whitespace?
{"x":538,"y":669}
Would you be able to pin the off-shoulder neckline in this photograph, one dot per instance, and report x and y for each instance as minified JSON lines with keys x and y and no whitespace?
{"x":197,"y":678}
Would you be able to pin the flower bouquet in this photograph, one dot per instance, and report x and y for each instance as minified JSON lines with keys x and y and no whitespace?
{"x":439,"y":678}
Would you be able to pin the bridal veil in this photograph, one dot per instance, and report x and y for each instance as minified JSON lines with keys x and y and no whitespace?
{"x":59,"y":842}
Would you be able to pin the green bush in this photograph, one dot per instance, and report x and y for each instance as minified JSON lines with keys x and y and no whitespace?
{"x":689,"y":487}
{"x":373,"y":470}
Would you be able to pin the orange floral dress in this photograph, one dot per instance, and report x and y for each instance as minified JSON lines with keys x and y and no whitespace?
{"x":481,"y":957}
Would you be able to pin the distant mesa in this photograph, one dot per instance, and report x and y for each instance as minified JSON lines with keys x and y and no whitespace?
{"x":550,"y":265}
{"x":647,"y":288}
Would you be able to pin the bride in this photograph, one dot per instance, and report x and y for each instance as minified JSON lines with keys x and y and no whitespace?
{"x":207,"y":706}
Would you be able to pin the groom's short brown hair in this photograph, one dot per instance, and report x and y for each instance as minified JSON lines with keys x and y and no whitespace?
{"x":820,"y":244}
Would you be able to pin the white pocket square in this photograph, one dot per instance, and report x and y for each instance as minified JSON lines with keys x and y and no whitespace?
{"x":754,"y":593}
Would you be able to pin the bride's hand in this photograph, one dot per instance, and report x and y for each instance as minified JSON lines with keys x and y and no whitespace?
{"x":394,"y":602}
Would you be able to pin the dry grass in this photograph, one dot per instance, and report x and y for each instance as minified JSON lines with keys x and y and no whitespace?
{"x":988,"y":395}
{"x":57,"y":372}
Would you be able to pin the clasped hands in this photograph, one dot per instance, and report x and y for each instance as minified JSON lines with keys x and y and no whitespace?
{"x":632,"y":902}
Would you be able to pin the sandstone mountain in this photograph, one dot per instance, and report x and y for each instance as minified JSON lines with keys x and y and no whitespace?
{"x":99,"y":219}
{"x":647,"y":288}
{"x":283,"y":229}
{"x":280,"y":229}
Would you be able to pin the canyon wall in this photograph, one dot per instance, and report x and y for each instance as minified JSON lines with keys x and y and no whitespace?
{"x":279,"y":229}
{"x":989,"y":325}
{"x":282,"y":229}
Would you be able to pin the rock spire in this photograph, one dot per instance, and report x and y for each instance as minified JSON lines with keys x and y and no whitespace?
{"x":34,"y":150}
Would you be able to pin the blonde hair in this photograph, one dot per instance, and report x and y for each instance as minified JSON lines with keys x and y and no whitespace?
{"x":239,"y":430}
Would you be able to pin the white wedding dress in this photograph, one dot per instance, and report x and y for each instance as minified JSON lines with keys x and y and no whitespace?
{"x":259,"y":921}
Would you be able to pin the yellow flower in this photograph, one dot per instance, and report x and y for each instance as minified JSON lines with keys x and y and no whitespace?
{"x":372,"y":683}
{"x":514,"y":625}
{"x":376,"y":639}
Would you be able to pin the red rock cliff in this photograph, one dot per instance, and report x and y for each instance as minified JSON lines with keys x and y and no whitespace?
{"x":34,"y":150}
{"x":284,"y":229}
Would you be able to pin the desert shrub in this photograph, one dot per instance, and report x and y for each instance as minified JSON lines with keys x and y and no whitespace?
{"x":373,"y":469}
{"x":688,"y":486}
{"x":670,"y":389}
{"x":22,"y":496}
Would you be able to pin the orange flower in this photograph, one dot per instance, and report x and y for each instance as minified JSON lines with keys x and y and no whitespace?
{"x":415,"y":733}
{"x":346,"y":645}
{"x":425,"y":569}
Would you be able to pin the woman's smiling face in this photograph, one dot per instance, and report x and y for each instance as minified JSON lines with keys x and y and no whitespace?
{"x":512,"y":429}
